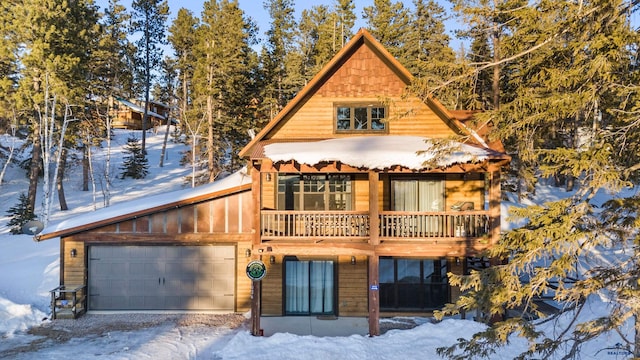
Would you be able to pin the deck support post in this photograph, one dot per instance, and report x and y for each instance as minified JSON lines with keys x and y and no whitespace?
{"x":374,"y":296}
{"x":255,"y":308}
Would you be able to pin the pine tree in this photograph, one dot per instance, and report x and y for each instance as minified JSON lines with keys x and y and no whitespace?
{"x":135,"y":164}
{"x":282,"y":79}
{"x":149,"y":20}
{"x":20,"y":214}
{"x":429,"y":57}
{"x":223,"y":86}
{"x":572,"y":72}
{"x":388,"y":22}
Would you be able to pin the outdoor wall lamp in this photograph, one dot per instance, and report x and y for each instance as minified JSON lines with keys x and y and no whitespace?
{"x":247,"y":253}
{"x":353,"y":260}
{"x":272,"y":259}
{"x":74,"y":253}
{"x":457,"y":261}
{"x":268,"y":176}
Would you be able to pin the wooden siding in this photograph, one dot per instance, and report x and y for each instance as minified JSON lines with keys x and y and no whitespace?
{"x":465,"y":188}
{"x":353,"y":286}
{"x":364,"y":78}
{"x":272,"y":287}
{"x":231,"y":214}
{"x":74,"y":271}
{"x":243,"y":283}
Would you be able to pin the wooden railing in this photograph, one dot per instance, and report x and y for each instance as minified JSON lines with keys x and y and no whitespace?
{"x":312,"y":225}
{"x":355,"y":225}
{"x":419,"y":225}
{"x":68,"y":302}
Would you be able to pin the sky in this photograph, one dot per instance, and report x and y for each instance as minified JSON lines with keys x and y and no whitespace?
{"x":29,"y":269}
{"x":256,"y":10}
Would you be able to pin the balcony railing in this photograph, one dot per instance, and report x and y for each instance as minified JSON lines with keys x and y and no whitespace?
{"x":420,"y":225}
{"x":355,"y":225}
{"x":314,"y":225}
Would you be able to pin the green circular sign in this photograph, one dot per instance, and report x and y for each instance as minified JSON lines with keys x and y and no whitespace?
{"x":256,"y":270}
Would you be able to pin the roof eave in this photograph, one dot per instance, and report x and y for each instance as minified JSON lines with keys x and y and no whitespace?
{"x":145,"y":212}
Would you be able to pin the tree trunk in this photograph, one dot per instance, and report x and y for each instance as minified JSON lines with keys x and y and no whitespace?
{"x":495,"y":39}
{"x":63,"y":163}
{"x":166,"y":136}
{"x":85,"y":169}
{"x":34,"y":171}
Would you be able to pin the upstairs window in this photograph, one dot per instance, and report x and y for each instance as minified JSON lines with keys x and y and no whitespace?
{"x":360,"y":118}
{"x":314,"y":192}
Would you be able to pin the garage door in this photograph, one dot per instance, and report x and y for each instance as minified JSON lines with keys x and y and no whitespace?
{"x":162,"y":278}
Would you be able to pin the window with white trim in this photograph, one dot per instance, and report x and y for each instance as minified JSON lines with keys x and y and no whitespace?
{"x":367,"y":117}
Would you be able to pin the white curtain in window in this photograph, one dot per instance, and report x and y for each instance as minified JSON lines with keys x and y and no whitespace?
{"x":309,"y":287}
{"x":297,"y":286}
{"x":418,"y":195}
{"x":321,"y":287}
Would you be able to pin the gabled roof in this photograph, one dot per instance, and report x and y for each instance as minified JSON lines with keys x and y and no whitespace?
{"x":237,"y":182}
{"x":139,"y":109}
{"x":362,"y":38}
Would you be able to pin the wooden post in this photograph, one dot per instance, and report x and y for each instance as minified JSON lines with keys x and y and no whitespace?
{"x":374,"y":296}
{"x":374,"y":217}
{"x":494,"y":204}
{"x":255,"y":307}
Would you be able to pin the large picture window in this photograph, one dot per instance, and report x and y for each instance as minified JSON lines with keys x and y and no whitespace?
{"x":309,"y":287}
{"x":314,"y":192}
{"x":413,"y":284}
{"x":360,"y":118}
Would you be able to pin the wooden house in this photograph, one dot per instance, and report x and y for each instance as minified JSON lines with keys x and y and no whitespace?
{"x":128,"y":114}
{"x":364,"y":198}
{"x":358,"y":199}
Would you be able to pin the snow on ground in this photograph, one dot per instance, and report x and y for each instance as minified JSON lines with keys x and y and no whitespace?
{"x":28,"y":270}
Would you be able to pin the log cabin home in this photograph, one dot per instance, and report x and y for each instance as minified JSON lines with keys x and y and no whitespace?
{"x":128,"y":114}
{"x":357,"y":197}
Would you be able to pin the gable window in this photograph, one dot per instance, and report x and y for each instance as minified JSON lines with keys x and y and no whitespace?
{"x":360,"y":117}
{"x":314,"y":192}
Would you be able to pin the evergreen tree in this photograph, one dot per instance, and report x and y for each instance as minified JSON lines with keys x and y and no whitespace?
{"x":149,"y":20}
{"x":345,"y":18}
{"x":223,"y":87}
{"x":430,"y":59}
{"x":388,"y":22}
{"x":282,"y":79}
{"x":572,"y":73}
{"x":135,"y":164}
{"x":53,"y":59}
{"x":182,"y":37}
{"x":20,"y":214}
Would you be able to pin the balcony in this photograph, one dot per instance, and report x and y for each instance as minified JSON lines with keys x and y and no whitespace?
{"x":315,"y":226}
{"x":355,"y":226}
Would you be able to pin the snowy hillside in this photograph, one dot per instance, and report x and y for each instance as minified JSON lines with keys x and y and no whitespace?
{"x":28,"y":270}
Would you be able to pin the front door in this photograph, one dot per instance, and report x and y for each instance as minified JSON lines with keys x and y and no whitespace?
{"x":309,"y":287}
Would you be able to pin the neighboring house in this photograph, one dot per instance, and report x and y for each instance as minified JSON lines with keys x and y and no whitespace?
{"x":355,"y":197}
{"x":128,"y":115}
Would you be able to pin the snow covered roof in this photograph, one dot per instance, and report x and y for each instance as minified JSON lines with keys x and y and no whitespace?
{"x":239,"y":180}
{"x":379,"y":152}
{"x":139,"y":109}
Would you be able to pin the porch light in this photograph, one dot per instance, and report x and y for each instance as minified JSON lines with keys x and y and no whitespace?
{"x":272,"y":259}
{"x":353,"y":260}
{"x":73,"y":253}
{"x":268,"y":176}
{"x":247,"y":253}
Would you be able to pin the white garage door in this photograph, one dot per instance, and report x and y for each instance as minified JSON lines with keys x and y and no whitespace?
{"x":162,"y":278}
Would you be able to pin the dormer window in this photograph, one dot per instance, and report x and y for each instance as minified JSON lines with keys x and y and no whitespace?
{"x":360,"y":117}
